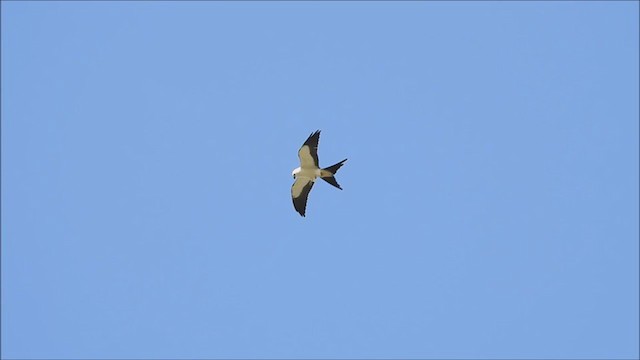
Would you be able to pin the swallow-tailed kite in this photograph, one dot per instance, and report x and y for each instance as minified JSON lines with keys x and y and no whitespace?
{"x":309,"y":171}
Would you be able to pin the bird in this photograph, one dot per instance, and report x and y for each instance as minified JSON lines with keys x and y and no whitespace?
{"x":309,"y":170}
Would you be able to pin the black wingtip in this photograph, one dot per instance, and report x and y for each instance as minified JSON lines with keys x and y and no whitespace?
{"x":313,"y":139}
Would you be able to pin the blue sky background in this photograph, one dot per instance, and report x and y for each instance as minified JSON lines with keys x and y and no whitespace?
{"x":490,"y":203}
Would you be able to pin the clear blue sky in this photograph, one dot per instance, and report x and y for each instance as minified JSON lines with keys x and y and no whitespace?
{"x":490,"y":203}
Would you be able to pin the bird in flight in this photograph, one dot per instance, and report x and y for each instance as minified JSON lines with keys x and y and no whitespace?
{"x":309,"y":171}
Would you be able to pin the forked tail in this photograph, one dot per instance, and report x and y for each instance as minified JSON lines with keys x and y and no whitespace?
{"x":327,"y":174}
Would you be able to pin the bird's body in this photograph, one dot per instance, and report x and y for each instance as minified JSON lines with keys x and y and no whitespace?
{"x":309,"y":171}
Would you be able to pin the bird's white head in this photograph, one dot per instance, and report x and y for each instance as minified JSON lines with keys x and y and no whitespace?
{"x":295,"y":172}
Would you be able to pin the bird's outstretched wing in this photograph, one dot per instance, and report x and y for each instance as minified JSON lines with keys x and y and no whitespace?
{"x":308,"y":153}
{"x":300,"y":192}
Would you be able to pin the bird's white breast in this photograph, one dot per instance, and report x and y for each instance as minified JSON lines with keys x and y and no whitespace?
{"x":309,"y":173}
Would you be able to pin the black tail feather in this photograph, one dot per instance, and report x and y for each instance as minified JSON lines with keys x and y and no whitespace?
{"x":333,"y":169}
{"x":332,"y":181}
